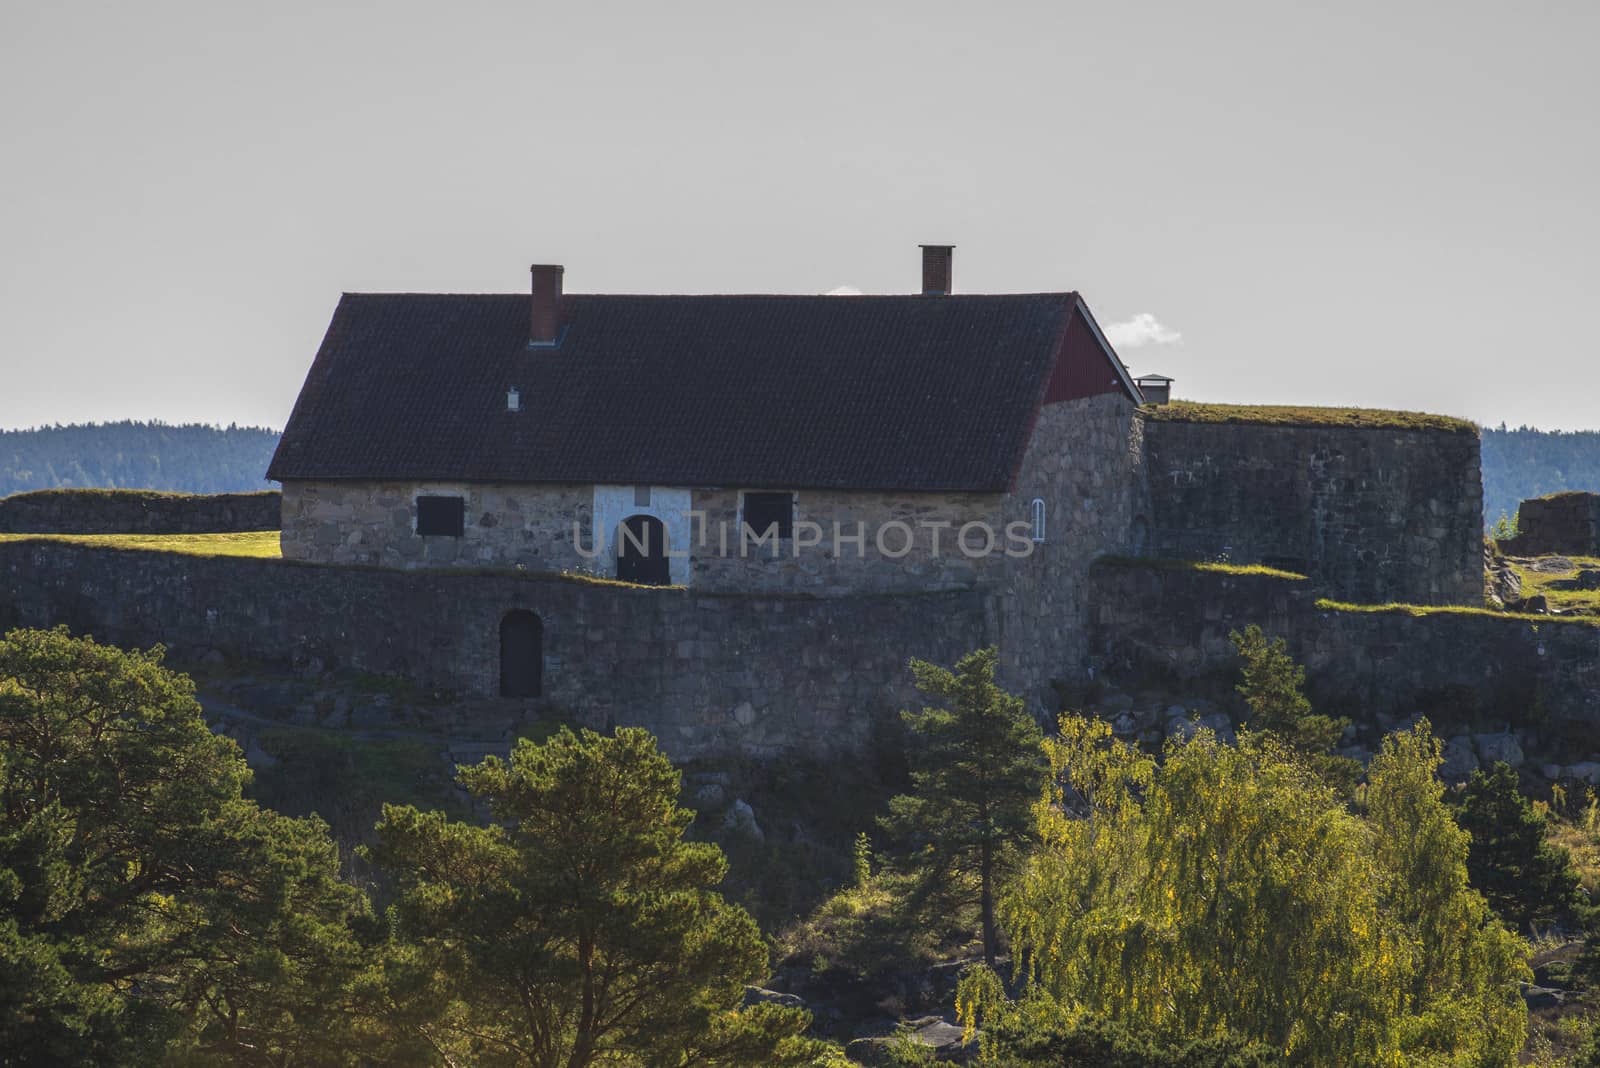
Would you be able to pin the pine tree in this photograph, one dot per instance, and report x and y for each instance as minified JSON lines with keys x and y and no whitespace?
{"x":580,"y":928}
{"x":1272,"y":687}
{"x":977,"y":769}
{"x":1527,"y":879}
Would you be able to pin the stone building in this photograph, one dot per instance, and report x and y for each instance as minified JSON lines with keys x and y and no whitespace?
{"x":825,"y":446}
{"x":816,"y":458}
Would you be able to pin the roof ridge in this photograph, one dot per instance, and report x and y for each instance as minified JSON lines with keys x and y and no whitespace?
{"x":1062,"y":293}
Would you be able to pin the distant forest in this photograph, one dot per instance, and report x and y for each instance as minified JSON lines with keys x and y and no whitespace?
{"x":195,"y":458}
{"x":1523,"y":463}
{"x":192,"y":458}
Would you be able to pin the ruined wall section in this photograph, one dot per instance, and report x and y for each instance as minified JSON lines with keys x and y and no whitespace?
{"x":1163,"y":627}
{"x":1373,"y":515}
{"x":114,"y":511}
{"x":1567,"y":523}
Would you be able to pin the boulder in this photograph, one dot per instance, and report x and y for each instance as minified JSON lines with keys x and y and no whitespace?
{"x":755,"y":995}
{"x":741,"y":819}
{"x":710,"y":796}
{"x":1219,"y":724}
{"x":1543,"y":997}
{"x":1125,"y":725}
{"x":1495,"y":748}
{"x":1459,"y":759}
{"x":944,"y":1039}
{"x":1182,"y":728}
{"x":1587,"y":771}
{"x":940,"y":1038}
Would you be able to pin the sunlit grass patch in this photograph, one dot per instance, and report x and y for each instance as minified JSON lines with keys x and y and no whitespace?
{"x":1422,"y":611}
{"x":257,"y":544}
{"x":1540,"y":582}
{"x":1212,"y":566}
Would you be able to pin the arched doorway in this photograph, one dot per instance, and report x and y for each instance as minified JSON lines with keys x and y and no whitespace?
{"x":521,"y":655}
{"x":642,"y":551}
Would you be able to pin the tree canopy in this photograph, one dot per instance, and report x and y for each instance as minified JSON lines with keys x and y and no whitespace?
{"x":146,"y":908}
{"x":191,"y":458}
{"x":1228,"y":891}
{"x":580,"y":928}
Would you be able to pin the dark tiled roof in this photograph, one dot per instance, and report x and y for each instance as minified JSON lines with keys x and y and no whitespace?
{"x":883,"y":393}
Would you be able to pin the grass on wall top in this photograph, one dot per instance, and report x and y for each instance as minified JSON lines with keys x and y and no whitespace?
{"x":1210,"y":566}
{"x":264,"y":545}
{"x":258,"y":544}
{"x":1423,"y":611}
{"x":131,"y":494}
{"x":1297,"y":415}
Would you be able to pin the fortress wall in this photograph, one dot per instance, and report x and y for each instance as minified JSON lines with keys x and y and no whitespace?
{"x":1168,"y":628}
{"x":98,"y":511}
{"x":758,"y":675}
{"x":1374,"y":515}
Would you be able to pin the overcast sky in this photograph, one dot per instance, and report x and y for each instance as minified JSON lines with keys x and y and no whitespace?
{"x":1374,"y":204}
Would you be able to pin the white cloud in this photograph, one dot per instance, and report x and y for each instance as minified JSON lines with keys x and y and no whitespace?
{"x":843,"y":291}
{"x":1142,"y":329}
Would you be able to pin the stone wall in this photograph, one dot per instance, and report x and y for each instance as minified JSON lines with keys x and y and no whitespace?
{"x":1559,"y":523}
{"x":1374,"y":515}
{"x":708,"y":673}
{"x":374,"y":524}
{"x":1166,"y":627}
{"x":531,"y":525}
{"x":1085,"y":460}
{"x":96,"y":511}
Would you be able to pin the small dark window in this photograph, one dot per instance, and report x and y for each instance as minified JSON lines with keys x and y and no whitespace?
{"x":761,"y":510}
{"x":521,"y":655}
{"x":442,"y":517}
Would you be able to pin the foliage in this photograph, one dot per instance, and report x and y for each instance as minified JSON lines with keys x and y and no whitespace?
{"x":1527,"y":880}
{"x":976,"y":771}
{"x":1304,"y":415}
{"x":191,"y":458}
{"x":1091,"y":1042}
{"x":1506,"y":527}
{"x":144,"y":904}
{"x":1229,"y":892}
{"x":580,"y":928}
{"x":1524,"y":463}
{"x":863,"y":933}
{"x":260,"y":544}
{"x":1272,"y":688}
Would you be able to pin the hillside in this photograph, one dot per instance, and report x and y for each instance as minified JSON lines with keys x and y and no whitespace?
{"x":193,"y":458}
{"x":1523,"y":463}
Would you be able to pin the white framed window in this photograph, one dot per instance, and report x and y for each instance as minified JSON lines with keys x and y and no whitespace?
{"x":1038,"y":519}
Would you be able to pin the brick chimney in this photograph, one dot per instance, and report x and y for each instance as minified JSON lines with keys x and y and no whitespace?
{"x":545,"y":323}
{"x":936,"y":269}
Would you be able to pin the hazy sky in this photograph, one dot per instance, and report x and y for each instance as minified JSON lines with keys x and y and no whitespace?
{"x":1377,"y":204}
